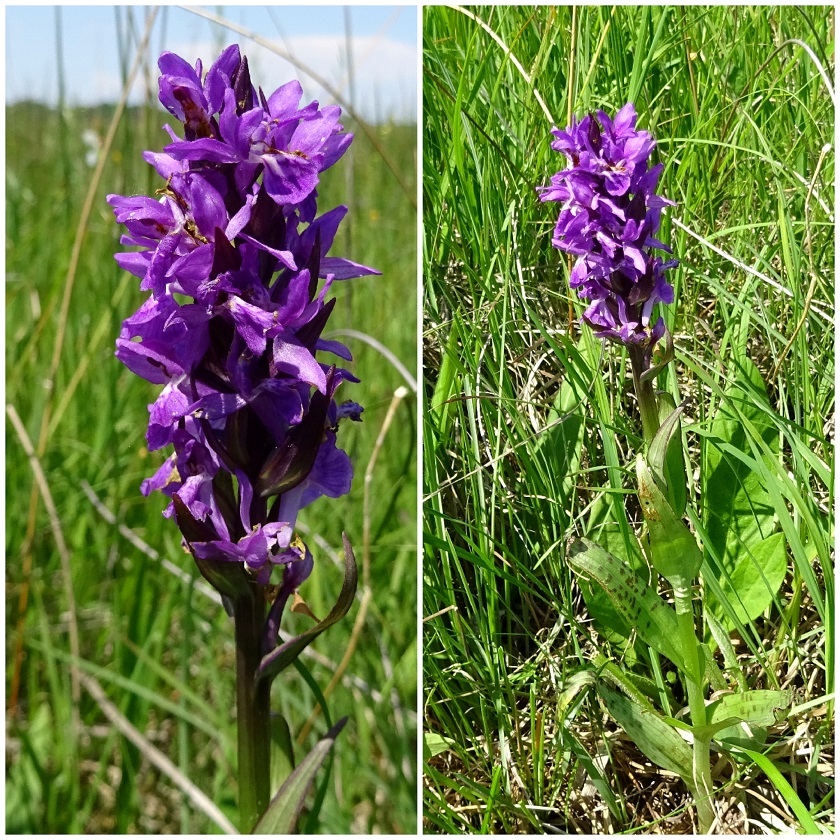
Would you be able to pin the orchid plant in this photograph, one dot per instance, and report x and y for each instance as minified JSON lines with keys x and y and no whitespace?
{"x":234,"y":257}
{"x":609,"y":220}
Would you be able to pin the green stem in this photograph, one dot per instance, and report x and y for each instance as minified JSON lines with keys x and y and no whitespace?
{"x":701,"y":774}
{"x":645,"y":395}
{"x":252,"y":711}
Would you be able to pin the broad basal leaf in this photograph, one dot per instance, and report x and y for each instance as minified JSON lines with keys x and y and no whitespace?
{"x":737,"y":510}
{"x":750,"y":713}
{"x":604,"y":530}
{"x":636,"y":603}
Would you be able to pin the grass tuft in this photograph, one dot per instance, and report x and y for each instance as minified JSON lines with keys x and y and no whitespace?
{"x":531,"y":427}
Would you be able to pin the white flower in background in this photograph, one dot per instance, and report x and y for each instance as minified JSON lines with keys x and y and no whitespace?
{"x":93,"y":143}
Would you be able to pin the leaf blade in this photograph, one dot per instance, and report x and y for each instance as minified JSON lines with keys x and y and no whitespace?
{"x":283,"y":811}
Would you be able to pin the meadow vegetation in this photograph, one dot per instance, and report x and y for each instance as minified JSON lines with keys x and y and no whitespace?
{"x":531,"y":427}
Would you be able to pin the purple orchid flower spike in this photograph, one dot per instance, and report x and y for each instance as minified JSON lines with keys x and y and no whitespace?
{"x":236,"y":262}
{"x":233,"y":232}
{"x":609,"y":215}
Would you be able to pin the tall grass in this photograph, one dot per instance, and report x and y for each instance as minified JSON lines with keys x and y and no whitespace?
{"x":530,"y":427}
{"x":149,"y":636}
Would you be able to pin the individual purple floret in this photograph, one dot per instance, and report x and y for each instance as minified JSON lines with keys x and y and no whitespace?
{"x":235,"y":259}
{"x":609,"y":216}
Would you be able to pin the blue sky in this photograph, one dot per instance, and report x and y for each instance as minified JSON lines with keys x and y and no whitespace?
{"x":383,"y":47}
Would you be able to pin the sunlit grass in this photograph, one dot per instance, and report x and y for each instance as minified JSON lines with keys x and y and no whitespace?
{"x":530,"y":427}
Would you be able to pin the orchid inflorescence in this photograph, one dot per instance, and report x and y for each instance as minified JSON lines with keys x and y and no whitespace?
{"x":232,"y":253}
{"x":609,"y":216}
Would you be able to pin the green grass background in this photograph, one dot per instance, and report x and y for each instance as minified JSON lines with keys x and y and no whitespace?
{"x":530,"y":423}
{"x":162,"y":651}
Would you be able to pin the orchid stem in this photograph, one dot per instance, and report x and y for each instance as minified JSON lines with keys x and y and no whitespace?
{"x":252,"y":711}
{"x":701,"y":775}
{"x":645,"y":395}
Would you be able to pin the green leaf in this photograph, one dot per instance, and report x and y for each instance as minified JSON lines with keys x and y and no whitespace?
{"x":665,"y":455}
{"x":659,"y":741}
{"x":640,"y":690}
{"x":741,"y":719}
{"x":635,"y":600}
{"x":283,"y":811}
{"x":282,"y":753}
{"x":434,"y":744}
{"x":445,"y":386}
{"x":637,"y":604}
{"x":603,"y":530}
{"x":738,"y":512}
{"x":283,"y":656}
{"x":721,"y":637}
{"x":571,"y":688}
{"x":756,"y":576}
{"x":758,"y":708}
{"x":673,"y":549}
